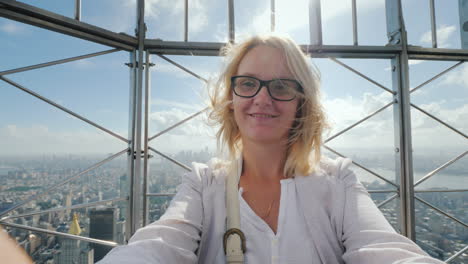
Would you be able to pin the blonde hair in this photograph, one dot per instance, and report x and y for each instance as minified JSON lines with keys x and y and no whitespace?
{"x":305,"y":137}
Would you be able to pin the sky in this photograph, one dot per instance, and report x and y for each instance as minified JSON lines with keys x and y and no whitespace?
{"x":98,"y":88}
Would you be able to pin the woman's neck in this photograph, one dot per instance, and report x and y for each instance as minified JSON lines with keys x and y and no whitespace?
{"x":263,"y":162}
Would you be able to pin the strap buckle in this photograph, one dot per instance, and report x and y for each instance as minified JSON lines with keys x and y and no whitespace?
{"x":233,"y":231}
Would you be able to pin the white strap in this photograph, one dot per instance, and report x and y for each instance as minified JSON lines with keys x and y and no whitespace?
{"x":234,"y":239}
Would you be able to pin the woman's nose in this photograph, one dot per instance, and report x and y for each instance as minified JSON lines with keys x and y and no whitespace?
{"x":263,"y":96}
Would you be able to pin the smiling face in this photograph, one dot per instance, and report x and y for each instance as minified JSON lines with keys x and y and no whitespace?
{"x":260,"y":118}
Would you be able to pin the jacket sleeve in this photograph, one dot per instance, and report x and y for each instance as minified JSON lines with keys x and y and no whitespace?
{"x":367,"y":235}
{"x":174,"y":238}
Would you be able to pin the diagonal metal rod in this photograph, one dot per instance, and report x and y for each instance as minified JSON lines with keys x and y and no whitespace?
{"x":171,"y":159}
{"x":443,"y":166}
{"x":381,"y":191}
{"x":66,"y":235}
{"x":437,"y":76}
{"x":182,"y":68}
{"x":362,"y":75}
{"x":387,"y":201}
{"x":62,"y":108}
{"x":178,"y":124}
{"x":362,"y":167}
{"x":55,"y":186}
{"x":77,"y":206}
{"x":56,"y":62}
{"x":359,"y":122}
{"x":442,"y":212}
{"x":454,"y":256}
{"x":440,"y":121}
{"x":449,"y":190}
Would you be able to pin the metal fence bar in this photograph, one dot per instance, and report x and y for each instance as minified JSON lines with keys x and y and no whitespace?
{"x":146,"y":163}
{"x":315,"y":23}
{"x":77,"y":206}
{"x":355,"y":32}
{"x":78,"y":10}
{"x":382,"y":191}
{"x":443,"y":166}
{"x":442,"y":212}
{"x":62,"y":108}
{"x":160,"y":194}
{"x":433,"y":24}
{"x":437,"y":76}
{"x":178,"y":124}
{"x":21,"y":12}
{"x":396,"y":31}
{"x":440,"y":121}
{"x":171,"y":159}
{"x":65,"y":235}
{"x":157,"y":46}
{"x":55,"y":186}
{"x":42,"y":65}
{"x":362,"y":75}
{"x":182,"y":68}
{"x":272,"y":16}
{"x":362,"y":167}
{"x":186,"y":20}
{"x":451,"y":190}
{"x":231,"y":23}
{"x":359,"y":122}
{"x":387,"y":200}
{"x":454,"y":256}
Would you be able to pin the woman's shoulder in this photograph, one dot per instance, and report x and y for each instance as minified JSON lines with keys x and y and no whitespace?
{"x":211,"y":172}
{"x":335,"y":169}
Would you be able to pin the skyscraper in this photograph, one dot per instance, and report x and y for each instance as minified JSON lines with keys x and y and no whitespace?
{"x":102,"y":226}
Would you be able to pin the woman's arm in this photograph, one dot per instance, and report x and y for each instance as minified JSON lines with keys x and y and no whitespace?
{"x":367,"y":235}
{"x":174,"y":238}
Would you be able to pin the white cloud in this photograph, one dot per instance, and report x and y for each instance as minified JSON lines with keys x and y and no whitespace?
{"x":457,"y":76}
{"x":12,"y":27}
{"x":198,"y":12}
{"x":377,"y":132}
{"x":444,"y":34}
{"x":194,"y":134}
{"x":39,"y":139}
{"x":295,"y":15}
{"x":174,"y":104}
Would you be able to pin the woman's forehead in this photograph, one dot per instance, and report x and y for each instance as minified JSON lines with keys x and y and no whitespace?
{"x":264,"y":62}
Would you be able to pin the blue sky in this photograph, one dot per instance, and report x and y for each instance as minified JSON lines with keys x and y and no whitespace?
{"x":98,"y":88}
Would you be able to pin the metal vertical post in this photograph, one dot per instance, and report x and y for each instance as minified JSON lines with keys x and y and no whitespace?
{"x":145,"y":140}
{"x":78,"y":10}
{"x":186,"y":20}
{"x":135,"y":212}
{"x":272,"y":16}
{"x":131,"y":147}
{"x":315,"y":22}
{"x":402,"y":118}
{"x":355,"y":32}
{"x":231,"y":24}
{"x":433,"y":24}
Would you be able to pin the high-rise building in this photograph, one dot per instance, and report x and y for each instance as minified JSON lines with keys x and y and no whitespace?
{"x":102,"y":225}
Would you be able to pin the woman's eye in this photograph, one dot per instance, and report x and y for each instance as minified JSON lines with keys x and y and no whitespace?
{"x":248,"y":84}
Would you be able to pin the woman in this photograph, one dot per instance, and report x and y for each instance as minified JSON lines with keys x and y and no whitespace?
{"x":294,"y":205}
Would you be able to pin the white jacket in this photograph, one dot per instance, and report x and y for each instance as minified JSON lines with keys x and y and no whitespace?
{"x":342,"y":220}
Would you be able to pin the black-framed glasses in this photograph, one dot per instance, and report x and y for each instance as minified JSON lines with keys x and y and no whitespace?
{"x":279,"y":89}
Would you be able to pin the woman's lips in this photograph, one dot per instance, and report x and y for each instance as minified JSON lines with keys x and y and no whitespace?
{"x":262,"y":116}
